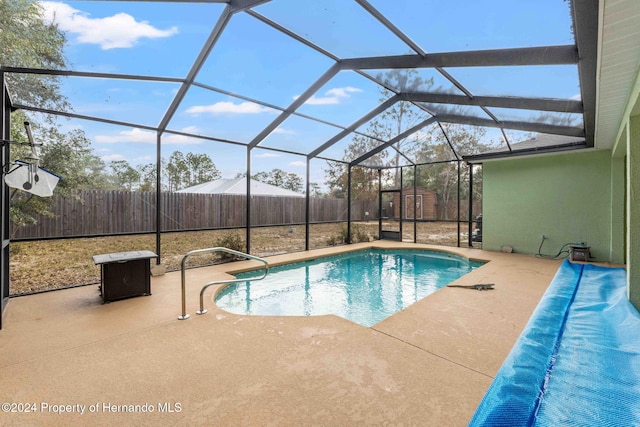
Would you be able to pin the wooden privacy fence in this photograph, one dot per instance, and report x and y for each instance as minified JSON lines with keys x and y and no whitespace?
{"x":100,"y":212}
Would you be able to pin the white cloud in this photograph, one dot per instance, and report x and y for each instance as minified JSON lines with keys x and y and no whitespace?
{"x":327,"y":100}
{"x":284,"y":131}
{"x":118,"y":31}
{"x":576,"y":97}
{"x":145,"y":159}
{"x":140,"y":136}
{"x":190,"y":129}
{"x":298,"y":163}
{"x":342,"y":92}
{"x":113,"y":157}
{"x":229,"y":107}
{"x":333,"y":96}
{"x":133,"y":135}
{"x":170,"y":139}
{"x":266,"y":155}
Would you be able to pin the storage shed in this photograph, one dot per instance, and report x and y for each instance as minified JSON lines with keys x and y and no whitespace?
{"x":426,"y":202}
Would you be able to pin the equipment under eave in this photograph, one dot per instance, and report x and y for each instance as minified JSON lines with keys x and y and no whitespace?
{"x":28,"y":176}
{"x":31,"y":178}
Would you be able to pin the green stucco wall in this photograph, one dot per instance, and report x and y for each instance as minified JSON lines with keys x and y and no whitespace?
{"x":633,"y":210}
{"x":566,"y":197}
{"x":618,"y":213}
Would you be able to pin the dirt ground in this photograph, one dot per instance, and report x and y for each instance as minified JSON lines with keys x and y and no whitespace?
{"x":52,"y":264}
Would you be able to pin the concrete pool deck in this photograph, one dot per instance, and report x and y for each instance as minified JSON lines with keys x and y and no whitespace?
{"x":429,"y":364}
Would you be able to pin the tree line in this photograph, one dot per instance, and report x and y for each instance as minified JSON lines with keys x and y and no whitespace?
{"x":435,"y":148}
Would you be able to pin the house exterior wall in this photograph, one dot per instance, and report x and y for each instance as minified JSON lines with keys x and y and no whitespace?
{"x":566,"y":197}
{"x":627,"y":150}
{"x":633,"y":210}
{"x":618,"y":215}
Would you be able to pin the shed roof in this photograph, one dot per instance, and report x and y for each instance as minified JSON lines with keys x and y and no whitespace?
{"x":239,"y":186}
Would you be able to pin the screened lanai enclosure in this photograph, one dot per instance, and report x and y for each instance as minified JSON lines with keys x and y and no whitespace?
{"x":176,"y":125}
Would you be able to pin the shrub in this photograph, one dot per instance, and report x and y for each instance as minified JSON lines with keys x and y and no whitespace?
{"x":358,"y":234}
{"x":333,"y":240}
{"x":232,"y":241}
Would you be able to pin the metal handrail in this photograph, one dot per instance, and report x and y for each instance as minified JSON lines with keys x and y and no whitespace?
{"x":217,"y":282}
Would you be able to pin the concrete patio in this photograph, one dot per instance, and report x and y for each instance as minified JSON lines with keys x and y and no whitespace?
{"x":133,"y":362}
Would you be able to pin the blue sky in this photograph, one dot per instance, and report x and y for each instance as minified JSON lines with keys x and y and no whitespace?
{"x":256,"y":61}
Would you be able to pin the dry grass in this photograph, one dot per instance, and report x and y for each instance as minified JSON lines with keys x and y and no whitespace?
{"x":53,"y":264}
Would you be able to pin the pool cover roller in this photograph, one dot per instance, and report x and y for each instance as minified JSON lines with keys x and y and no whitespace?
{"x":577,"y":361}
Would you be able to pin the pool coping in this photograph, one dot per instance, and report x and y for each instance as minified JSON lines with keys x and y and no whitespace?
{"x":282,"y":259}
{"x":256,"y":266}
{"x":427,"y":364}
{"x":488,"y":354}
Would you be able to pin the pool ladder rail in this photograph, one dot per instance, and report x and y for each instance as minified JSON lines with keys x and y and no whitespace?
{"x":184,"y":315}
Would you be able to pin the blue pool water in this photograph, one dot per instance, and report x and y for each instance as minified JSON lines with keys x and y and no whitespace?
{"x":364,"y":286}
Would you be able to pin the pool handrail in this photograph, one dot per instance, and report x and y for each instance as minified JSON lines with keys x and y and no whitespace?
{"x":185,"y":315}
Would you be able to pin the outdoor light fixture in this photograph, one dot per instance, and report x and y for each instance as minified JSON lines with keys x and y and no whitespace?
{"x":28,"y":176}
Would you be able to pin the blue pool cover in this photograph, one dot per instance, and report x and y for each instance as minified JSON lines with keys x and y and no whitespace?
{"x":577,"y":362}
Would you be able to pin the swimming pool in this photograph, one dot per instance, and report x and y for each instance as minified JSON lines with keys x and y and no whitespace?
{"x":363,"y":286}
